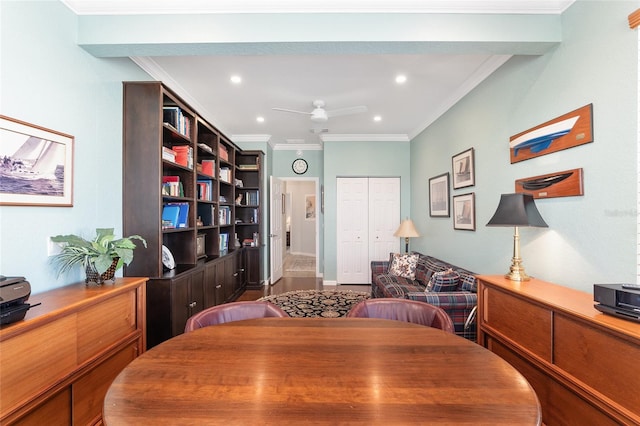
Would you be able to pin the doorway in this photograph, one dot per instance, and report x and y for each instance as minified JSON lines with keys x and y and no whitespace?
{"x":300,"y":228}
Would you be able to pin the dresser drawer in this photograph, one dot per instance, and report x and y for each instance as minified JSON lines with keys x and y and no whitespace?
{"x":32,"y":361}
{"x":599,"y":359}
{"x":553,"y":396}
{"x":105,"y":324}
{"x":89,"y":390}
{"x":518,"y":320}
{"x":54,"y":411}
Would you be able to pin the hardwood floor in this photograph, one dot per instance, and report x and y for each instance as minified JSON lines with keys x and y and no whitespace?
{"x":297,"y":280}
{"x":286,"y":284}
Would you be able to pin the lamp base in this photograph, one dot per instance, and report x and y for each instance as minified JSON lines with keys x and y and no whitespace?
{"x":516,"y":271}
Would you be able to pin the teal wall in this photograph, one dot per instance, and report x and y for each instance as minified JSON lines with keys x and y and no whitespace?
{"x":360,"y":159}
{"x":590,"y":239}
{"x":47,"y":80}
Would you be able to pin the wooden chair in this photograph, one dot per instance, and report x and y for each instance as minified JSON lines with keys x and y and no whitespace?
{"x":235,"y":311}
{"x":403,"y":310}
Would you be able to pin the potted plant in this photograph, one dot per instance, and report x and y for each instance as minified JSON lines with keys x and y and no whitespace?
{"x":100,"y":257}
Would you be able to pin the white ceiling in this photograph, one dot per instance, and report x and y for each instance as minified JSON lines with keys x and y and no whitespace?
{"x":435,"y":81}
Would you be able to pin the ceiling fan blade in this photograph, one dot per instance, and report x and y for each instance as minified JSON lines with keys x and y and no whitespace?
{"x":347,"y":111}
{"x":291,"y":110}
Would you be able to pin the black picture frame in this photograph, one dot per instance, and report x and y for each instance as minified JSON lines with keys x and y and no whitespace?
{"x":439,"y":196}
{"x":463,"y":169}
{"x":464,"y":212}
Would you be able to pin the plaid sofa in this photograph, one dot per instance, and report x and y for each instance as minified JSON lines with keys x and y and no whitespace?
{"x":459,"y":304}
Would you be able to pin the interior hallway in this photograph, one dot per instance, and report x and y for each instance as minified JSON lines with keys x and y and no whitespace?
{"x":298,"y":274}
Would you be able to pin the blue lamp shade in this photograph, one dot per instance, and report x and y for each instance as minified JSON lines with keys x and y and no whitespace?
{"x":517,"y":210}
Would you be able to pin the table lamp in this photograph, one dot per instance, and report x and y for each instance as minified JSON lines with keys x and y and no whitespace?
{"x":406,"y":230}
{"x":517,"y":210}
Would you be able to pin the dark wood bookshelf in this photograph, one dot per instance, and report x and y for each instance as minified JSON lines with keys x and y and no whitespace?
{"x":165,"y":139}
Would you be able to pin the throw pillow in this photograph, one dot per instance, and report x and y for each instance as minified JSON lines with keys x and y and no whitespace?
{"x":443,"y":281}
{"x":403,"y":265}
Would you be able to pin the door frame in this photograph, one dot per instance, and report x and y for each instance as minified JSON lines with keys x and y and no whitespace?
{"x":319,"y":216}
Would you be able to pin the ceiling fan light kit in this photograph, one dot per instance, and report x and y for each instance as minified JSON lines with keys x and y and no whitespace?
{"x":320,"y":115}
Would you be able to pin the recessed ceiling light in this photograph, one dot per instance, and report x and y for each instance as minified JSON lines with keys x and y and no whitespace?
{"x":401,"y":79}
{"x":236,"y":79}
{"x":377,"y":118}
{"x":260,"y":119}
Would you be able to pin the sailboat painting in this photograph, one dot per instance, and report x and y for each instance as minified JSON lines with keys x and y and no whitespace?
{"x":569,"y":130}
{"x":36,"y":165}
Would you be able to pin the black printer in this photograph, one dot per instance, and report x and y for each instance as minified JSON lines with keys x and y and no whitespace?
{"x":14,"y":293}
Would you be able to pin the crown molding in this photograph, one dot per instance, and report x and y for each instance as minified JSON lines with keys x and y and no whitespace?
{"x":365,"y":138}
{"x":296,"y":147}
{"x":142,"y":7}
{"x":251,"y":138}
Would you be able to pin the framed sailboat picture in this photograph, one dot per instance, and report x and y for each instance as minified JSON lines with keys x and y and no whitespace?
{"x":36,"y":165}
{"x":463,"y":169}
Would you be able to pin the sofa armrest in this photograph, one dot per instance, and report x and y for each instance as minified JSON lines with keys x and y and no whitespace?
{"x":446,"y":299}
{"x":379,"y":267}
{"x":459,"y":305}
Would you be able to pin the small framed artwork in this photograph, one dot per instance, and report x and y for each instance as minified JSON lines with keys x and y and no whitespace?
{"x":463,"y":168}
{"x":36,"y":165}
{"x":310,"y":207}
{"x":439,"y":196}
{"x":464,"y":212}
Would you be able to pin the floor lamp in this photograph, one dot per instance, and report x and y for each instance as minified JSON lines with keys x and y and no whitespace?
{"x":517,"y":210}
{"x":406,"y":230}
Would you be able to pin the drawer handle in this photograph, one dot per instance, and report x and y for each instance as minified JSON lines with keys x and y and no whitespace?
{"x":192,"y":304}
{"x":219,"y":285}
{"x":235,"y":275}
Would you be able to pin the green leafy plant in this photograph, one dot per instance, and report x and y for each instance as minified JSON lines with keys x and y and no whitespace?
{"x":99,"y":252}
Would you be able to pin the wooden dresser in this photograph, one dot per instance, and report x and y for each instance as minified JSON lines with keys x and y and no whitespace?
{"x":57,"y":364}
{"x":582,"y":364}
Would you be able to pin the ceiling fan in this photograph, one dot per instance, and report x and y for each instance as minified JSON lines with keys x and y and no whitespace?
{"x":321,"y":115}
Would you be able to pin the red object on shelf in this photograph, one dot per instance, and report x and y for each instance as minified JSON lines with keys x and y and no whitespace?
{"x":182,"y":155}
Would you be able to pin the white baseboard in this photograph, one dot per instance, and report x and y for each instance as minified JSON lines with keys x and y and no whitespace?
{"x":334,"y":283}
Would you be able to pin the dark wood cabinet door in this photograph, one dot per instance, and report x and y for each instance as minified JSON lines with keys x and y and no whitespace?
{"x":196,"y":296}
{"x":210,"y":285}
{"x":180,"y":309}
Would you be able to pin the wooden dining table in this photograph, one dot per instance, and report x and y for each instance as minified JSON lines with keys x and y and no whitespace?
{"x":319,"y":371}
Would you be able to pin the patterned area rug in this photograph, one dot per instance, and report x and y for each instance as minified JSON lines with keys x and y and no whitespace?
{"x":317,"y":303}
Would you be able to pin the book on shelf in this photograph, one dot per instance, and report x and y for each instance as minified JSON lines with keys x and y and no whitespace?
{"x":182,"y":221}
{"x":168,"y":154}
{"x":224,"y":242}
{"x":251,"y":198}
{"x":223,"y":152}
{"x":184,"y":155}
{"x":205,"y":190}
{"x":208,"y":166}
{"x":170,"y":216}
{"x":172,"y":186}
{"x":248,"y":166}
{"x":224,"y":215}
{"x":225,"y":174}
{"x":174,"y":117}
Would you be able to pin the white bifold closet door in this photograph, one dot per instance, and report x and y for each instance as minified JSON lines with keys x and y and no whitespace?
{"x":368,"y":213}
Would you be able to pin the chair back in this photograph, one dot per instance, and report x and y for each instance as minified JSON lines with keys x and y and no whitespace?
{"x":234,"y":311}
{"x":403,"y":310}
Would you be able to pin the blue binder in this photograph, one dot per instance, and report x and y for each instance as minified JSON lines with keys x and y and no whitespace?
{"x":170,"y":216}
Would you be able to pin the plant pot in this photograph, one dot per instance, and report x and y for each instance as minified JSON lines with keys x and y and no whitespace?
{"x":108,"y":275}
